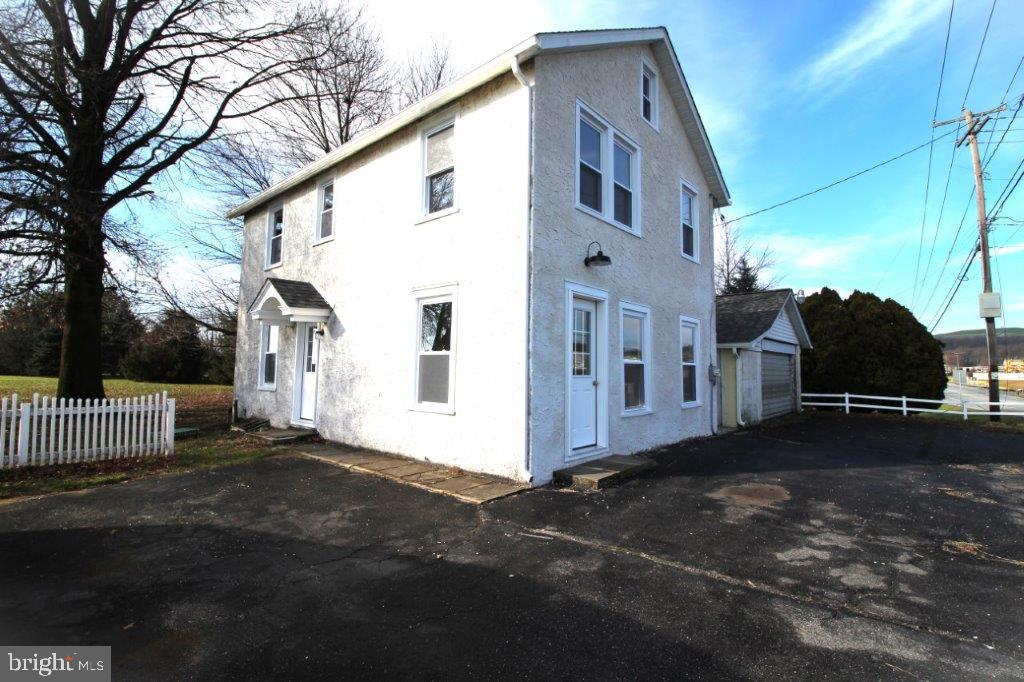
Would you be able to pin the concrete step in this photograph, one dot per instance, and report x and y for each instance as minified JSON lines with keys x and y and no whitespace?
{"x":250,"y":425}
{"x":282,"y":436}
{"x":602,"y":473}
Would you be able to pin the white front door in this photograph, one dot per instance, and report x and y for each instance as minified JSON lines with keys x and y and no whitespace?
{"x":582,"y":351}
{"x":310,"y":357}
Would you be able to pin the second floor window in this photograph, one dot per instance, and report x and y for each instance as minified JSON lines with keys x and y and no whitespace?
{"x":439,"y":184}
{"x":688,"y":235}
{"x":608,"y":172}
{"x":325,"y":221}
{"x":275,"y":235}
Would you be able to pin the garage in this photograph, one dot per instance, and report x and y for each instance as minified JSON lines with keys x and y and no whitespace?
{"x":760,"y":336}
{"x":778,"y":384}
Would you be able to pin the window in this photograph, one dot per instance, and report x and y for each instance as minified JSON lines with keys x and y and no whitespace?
{"x":325,"y":220}
{"x":435,"y":363}
{"x":275,"y":235}
{"x":689,"y":235}
{"x":636,"y":335}
{"x":649,"y":94}
{"x":689,"y":351}
{"x":590,"y":166}
{"x":600,"y":149}
{"x":268,"y":355}
{"x":439,"y":187}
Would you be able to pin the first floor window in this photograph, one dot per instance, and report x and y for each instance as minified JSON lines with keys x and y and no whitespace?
{"x":275,"y":235}
{"x":434,"y":361}
{"x":325,"y":227}
{"x":688,"y":223}
{"x":635,"y":354}
{"x":440,"y":169}
{"x":689,"y":338}
{"x":268,"y":354}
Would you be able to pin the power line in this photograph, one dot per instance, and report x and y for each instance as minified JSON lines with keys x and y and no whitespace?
{"x":837,"y":182}
{"x":931,"y":149}
{"x":956,"y":288}
{"x":977,"y":58}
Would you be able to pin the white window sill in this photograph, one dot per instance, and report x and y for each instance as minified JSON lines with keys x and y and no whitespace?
{"x":325,"y":240}
{"x":687,"y":406}
{"x":273,"y":266}
{"x":605,"y":219}
{"x":692,"y":259}
{"x":266,"y":388}
{"x":638,"y":412}
{"x":653,"y":124}
{"x":433,"y":408}
{"x":436,"y":215}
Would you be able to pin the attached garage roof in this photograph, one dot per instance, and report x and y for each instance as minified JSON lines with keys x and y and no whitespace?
{"x":743,"y":319}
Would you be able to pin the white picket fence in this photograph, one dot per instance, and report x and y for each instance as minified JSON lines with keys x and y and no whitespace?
{"x":51,"y":430}
{"x":845,"y":401}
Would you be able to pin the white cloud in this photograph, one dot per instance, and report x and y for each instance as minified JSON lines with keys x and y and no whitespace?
{"x":1007,"y":250}
{"x":887,"y":25}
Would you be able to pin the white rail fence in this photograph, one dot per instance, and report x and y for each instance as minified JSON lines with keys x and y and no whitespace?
{"x":905,"y":405}
{"x":49,"y":430}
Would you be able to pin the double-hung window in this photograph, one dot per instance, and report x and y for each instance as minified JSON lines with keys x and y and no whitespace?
{"x":608,"y":172}
{"x":649,"y":94}
{"x":689,"y":351}
{"x":635,"y":323}
{"x":689,"y":225}
{"x":275,"y":235}
{"x":435,"y":350}
{"x":439,"y":169}
{"x":268,"y":355}
{"x":325,"y":217}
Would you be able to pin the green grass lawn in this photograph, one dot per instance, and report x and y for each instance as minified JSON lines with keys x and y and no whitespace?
{"x":206,"y":406}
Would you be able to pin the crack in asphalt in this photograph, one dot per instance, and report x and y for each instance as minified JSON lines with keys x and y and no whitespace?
{"x":748,"y":584}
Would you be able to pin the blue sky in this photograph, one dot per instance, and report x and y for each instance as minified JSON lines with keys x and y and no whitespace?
{"x":797,"y":94}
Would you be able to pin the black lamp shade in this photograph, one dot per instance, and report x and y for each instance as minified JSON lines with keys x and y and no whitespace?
{"x":599,"y":259}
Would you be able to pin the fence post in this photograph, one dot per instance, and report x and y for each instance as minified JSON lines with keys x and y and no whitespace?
{"x":847,"y":402}
{"x":963,"y":406}
{"x":24,"y":433}
{"x":904,"y":406}
{"x":169,"y":426}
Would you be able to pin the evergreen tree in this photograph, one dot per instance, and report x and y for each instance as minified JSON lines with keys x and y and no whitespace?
{"x":169,"y":351}
{"x":744,"y":280}
{"x":869,"y":346}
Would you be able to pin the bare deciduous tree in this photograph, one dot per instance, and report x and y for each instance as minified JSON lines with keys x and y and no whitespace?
{"x":737,"y":259}
{"x":425,"y":74}
{"x":99,"y":98}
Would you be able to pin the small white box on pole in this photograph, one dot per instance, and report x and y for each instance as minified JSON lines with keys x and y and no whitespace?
{"x":990,"y":304}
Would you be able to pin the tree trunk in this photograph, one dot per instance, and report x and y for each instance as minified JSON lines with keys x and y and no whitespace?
{"x":81,"y":361}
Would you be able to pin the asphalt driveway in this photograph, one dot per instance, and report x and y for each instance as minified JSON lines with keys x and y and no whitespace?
{"x":847,"y":546}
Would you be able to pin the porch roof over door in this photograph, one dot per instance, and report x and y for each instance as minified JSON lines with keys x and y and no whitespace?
{"x":287,"y":301}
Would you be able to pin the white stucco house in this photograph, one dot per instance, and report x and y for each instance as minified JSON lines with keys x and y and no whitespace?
{"x":511,"y":276}
{"x":760,"y":336}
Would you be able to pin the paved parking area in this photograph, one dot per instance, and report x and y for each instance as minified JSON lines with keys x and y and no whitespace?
{"x":846,"y":546}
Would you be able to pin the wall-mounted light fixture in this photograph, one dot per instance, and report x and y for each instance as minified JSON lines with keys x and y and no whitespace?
{"x":321,"y":328}
{"x":597,"y":259}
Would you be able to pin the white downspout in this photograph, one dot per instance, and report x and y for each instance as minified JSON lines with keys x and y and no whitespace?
{"x":739,"y":387}
{"x":521,"y":77}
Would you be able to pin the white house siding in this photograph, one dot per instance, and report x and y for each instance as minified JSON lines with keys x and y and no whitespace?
{"x":782,"y":329}
{"x":368,"y":273}
{"x":648,"y":271}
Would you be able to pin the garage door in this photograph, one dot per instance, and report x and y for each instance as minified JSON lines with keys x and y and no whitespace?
{"x":778,"y":384}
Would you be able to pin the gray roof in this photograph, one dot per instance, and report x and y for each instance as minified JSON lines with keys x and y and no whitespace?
{"x":296,"y":294}
{"x":743,"y":318}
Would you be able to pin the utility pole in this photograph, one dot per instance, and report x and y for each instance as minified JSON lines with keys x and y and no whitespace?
{"x":990,"y":311}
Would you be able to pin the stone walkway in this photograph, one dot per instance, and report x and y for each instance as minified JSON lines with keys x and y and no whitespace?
{"x":473,"y":488}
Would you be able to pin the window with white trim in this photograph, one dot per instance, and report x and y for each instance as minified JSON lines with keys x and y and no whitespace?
{"x":635,"y":325}
{"x":649,"y":94}
{"x":439,"y":169}
{"x":275,"y":235}
{"x":268,"y":355}
{"x":325,"y":216}
{"x":689,"y":351}
{"x":689,"y":224}
{"x":607,"y":172}
{"x":435,"y":357}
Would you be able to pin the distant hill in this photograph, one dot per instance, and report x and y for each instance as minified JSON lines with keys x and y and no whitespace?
{"x":970,"y":344}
